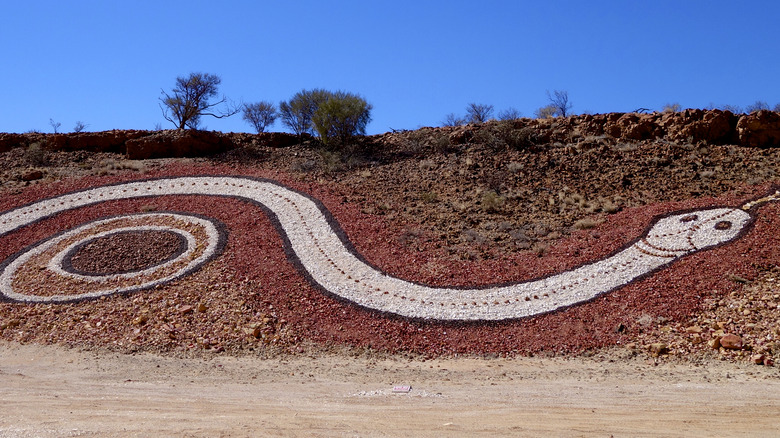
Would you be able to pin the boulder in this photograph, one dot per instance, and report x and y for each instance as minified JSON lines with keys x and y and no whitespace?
{"x":32,"y":175}
{"x":759,"y":129}
{"x":731,"y":342}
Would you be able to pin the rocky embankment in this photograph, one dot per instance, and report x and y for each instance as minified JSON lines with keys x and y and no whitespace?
{"x":140,"y":145}
{"x":759,"y":129}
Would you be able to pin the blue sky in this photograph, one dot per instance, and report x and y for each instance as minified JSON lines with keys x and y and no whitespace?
{"x":105,"y":62}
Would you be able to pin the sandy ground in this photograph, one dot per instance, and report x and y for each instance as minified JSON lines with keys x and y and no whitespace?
{"x":52,"y":391}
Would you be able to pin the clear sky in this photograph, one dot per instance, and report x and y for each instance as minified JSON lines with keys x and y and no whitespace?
{"x":104,"y":62}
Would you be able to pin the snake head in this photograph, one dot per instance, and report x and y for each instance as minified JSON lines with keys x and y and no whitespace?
{"x":686,"y":232}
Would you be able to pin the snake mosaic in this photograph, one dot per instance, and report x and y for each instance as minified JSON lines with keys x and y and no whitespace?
{"x":321,"y":250}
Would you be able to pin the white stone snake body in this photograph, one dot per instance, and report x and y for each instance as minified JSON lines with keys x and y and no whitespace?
{"x":322,"y":251}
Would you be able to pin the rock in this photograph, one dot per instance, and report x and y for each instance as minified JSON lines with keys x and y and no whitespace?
{"x":10,"y":324}
{"x":632,"y":126}
{"x":731,"y":342}
{"x":693,"y":329}
{"x":461,"y":136}
{"x":758,"y":359}
{"x":141,"y":319}
{"x":714,"y":127}
{"x":768,"y":362}
{"x":658,"y":348}
{"x":32,"y":175}
{"x":759,"y":129}
{"x":186,"y":309}
{"x":202,"y":308}
{"x":714,"y":343}
{"x":178,"y":144}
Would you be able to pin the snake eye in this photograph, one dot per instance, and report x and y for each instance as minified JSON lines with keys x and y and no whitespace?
{"x":689,"y":218}
{"x":723,"y":225}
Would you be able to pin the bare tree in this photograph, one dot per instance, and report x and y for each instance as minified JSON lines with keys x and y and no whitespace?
{"x":190,"y":100}
{"x":478,"y":113}
{"x":260,"y":115}
{"x":510,"y":113}
{"x":560,"y":101}
{"x":757,"y":106}
{"x":736,"y":109}
{"x":453,"y":120}
{"x":55,"y":125}
{"x":80,"y":126}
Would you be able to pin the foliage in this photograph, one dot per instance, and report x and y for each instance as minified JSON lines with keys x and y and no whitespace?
{"x":341,"y":116}
{"x":478,"y":113}
{"x":545,"y":112}
{"x":55,"y":125}
{"x":671,"y":108}
{"x":510,"y":114}
{"x":732,"y":108}
{"x":80,"y":126}
{"x":453,"y":120}
{"x":297,"y":113}
{"x":560,"y":101}
{"x":756,"y":106}
{"x":189,"y":101}
{"x":260,"y":115}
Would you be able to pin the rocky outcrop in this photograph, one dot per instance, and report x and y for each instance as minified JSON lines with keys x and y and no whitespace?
{"x":759,"y":129}
{"x":176,"y":144}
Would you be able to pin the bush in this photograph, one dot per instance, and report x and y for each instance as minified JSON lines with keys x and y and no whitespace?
{"x":756,"y":106}
{"x":260,"y":115}
{"x":671,"y":108}
{"x":341,"y":116}
{"x":479,"y":113}
{"x":453,"y":120}
{"x":297,"y":114}
{"x":545,"y":112}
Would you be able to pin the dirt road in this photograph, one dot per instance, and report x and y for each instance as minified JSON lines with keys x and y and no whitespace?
{"x":50,"y":391}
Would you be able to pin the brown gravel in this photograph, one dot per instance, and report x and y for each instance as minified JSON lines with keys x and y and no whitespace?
{"x":127,"y":251}
{"x":426,"y":218}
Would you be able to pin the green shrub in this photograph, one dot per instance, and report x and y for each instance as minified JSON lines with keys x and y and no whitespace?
{"x":341,"y":116}
{"x":298,"y":112}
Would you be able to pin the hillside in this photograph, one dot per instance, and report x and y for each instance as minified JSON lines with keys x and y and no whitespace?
{"x":458,"y":206}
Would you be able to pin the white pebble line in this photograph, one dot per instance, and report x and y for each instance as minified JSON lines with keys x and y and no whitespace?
{"x":55,"y":264}
{"x":331,"y":265}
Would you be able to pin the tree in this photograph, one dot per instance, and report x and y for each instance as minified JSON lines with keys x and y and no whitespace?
{"x":297,"y":113}
{"x":757,"y":106}
{"x":189,"y":101}
{"x":560,"y":101}
{"x":80,"y":126}
{"x":478,"y":113}
{"x":510,"y":113}
{"x":260,"y":115}
{"x":341,"y":116}
{"x":55,"y":125}
{"x":453,"y":120}
{"x":732,"y":108}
